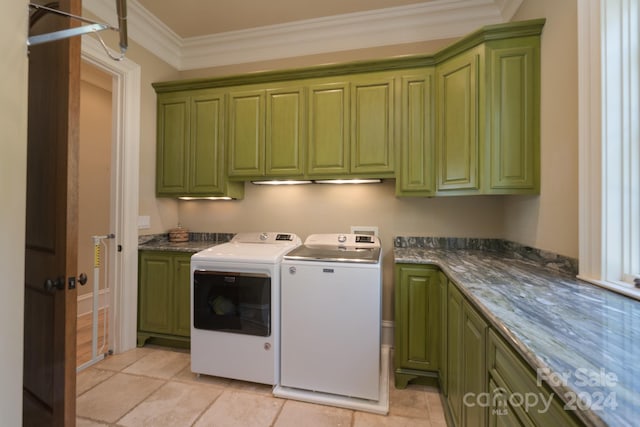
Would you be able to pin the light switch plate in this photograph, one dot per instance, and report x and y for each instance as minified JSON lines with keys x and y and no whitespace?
{"x":144,"y":222}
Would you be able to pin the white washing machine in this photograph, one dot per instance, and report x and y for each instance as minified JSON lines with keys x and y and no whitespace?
{"x":235,"y":307}
{"x":331,"y":291}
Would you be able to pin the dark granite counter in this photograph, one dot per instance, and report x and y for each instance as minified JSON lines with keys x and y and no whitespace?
{"x":197,"y":242}
{"x":586,"y":337}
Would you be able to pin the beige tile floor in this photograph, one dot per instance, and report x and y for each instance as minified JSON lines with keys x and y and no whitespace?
{"x":155,"y":387}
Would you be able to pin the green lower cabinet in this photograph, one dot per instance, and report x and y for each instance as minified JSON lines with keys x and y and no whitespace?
{"x":455,"y":360}
{"x":418,"y":319}
{"x":466,"y":369}
{"x":474,"y":374}
{"x":501,"y":412}
{"x":443,"y":284}
{"x":164,"y":292}
{"x":515,"y":393}
{"x":441,"y":337}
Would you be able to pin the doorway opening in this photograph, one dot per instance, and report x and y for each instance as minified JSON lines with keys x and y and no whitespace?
{"x":120,"y":273}
{"x":95,"y":214}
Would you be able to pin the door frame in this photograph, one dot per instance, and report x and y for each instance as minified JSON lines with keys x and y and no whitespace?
{"x":123,"y":271}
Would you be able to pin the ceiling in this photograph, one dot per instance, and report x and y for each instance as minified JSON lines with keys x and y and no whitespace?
{"x":197,"y":34}
{"x":191,"y":18}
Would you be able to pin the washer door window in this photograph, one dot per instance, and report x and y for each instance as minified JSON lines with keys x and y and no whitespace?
{"x":238,"y":303}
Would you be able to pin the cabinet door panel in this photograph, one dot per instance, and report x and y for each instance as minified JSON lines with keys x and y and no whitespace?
{"x":173,"y":145}
{"x":420,"y":318}
{"x":155,"y":293}
{"x":455,"y":354}
{"x":372,"y":119}
{"x":475,"y":370}
{"x":443,"y":285}
{"x":501,"y":414}
{"x":246,"y":134}
{"x":416,"y":172}
{"x":207,"y":144}
{"x":285,"y":136}
{"x":514,"y":127}
{"x":182,"y":295}
{"x":328,"y":129}
{"x":457,"y":143}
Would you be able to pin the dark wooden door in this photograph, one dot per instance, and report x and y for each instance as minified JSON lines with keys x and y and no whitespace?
{"x":51,"y":226}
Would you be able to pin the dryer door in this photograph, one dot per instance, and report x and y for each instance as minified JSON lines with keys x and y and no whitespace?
{"x":238,"y":303}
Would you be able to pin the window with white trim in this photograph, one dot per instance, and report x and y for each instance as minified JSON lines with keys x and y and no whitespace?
{"x":609,"y":128}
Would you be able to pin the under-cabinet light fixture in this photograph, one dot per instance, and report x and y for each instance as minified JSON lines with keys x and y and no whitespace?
{"x":205,"y":198}
{"x":348,"y":181}
{"x":282,"y":182}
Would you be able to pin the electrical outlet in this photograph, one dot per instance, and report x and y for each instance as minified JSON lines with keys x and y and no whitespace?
{"x":364,"y":229}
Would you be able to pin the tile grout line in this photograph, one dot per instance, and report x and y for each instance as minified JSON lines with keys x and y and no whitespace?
{"x":275,"y":419}
{"x":143,"y":400}
{"x":207,"y":408}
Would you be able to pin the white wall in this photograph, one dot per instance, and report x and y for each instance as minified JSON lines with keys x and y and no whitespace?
{"x":550,"y":221}
{"x":318,"y":208}
{"x":13,"y":160}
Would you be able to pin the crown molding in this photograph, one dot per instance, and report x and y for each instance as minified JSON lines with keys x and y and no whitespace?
{"x":432,"y":20}
{"x":143,"y":28}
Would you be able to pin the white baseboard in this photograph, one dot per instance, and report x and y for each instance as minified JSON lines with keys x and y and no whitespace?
{"x":387,"y":333}
{"x":85,"y":302}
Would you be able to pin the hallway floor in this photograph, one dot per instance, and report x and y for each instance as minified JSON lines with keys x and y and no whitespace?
{"x":153,"y":386}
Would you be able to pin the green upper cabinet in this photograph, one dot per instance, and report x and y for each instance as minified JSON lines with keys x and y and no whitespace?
{"x":488,"y":119}
{"x":328,"y":143}
{"x":285,"y":132}
{"x":190,"y":149}
{"x":513,"y":105}
{"x":415,"y":174}
{"x":372,"y":125}
{"x":351,"y":125}
{"x":457,"y":122}
{"x":246,"y":133}
{"x":266,"y":137}
{"x":172,"y":175}
{"x":207,"y":144}
{"x":462,"y":121}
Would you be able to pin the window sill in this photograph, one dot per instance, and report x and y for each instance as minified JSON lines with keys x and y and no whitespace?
{"x":624,"y":288}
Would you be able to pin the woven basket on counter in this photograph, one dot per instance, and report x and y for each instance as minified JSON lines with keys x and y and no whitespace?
{"x":179,"y":234}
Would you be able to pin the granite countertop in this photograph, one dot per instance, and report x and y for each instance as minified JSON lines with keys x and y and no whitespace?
{"x":197,"y":242}
{"x":583,"y":334}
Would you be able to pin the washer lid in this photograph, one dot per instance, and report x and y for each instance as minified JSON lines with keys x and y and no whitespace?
{"x":267,"y":248}
{"x":355,"y":248}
